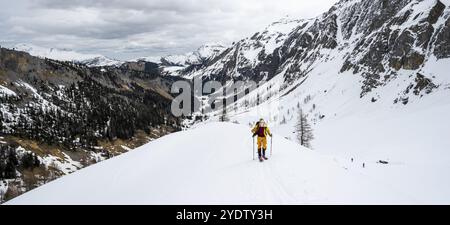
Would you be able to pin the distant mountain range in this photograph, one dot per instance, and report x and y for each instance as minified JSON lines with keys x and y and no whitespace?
{"x":67,"y":55}
{"x":199,"y":56}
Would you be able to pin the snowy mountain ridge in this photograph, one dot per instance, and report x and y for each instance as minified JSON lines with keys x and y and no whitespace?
{"x":391,"y":53}
{"x":375,"y":40}
{"x":248,"y":50}
{"x":203,"y":53}
{"x":170,"y":63}
{"x":92,"y":60}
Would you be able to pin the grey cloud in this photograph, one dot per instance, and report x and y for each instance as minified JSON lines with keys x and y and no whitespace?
{"x":181,"y":7}
{"x":133,"y":28}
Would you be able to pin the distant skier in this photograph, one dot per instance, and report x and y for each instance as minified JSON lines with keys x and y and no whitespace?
{"x":262,"y":131}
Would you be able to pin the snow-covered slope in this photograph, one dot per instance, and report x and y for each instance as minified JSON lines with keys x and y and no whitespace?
{"x":411,"y":138}
{"x":213,"y":164}
{"x":67,"y":55}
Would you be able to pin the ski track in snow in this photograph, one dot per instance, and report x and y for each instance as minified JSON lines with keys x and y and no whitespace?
{"x":212,"y":164}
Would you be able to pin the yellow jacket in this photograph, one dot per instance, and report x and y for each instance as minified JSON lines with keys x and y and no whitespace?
{"x":266,"y":131}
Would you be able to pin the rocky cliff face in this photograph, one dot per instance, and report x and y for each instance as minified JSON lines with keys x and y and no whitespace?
{"x":375,"y":39}
{"x":252,"y":58}
{"x":403,"y":35}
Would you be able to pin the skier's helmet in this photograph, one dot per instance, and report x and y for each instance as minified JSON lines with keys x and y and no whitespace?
{"x":262,"y":123}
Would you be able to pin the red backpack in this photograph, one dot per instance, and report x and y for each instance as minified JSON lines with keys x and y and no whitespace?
{"x":261,"y":131}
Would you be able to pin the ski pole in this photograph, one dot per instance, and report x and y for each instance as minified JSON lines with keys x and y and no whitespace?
{"x":271,"y":146}
{"x":253,"y":148}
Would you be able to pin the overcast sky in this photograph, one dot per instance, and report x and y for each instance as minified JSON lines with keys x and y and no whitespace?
{"x":127,"y":29}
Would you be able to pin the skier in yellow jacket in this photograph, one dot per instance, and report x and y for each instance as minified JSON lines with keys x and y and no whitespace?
{"x":262,"y":131}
